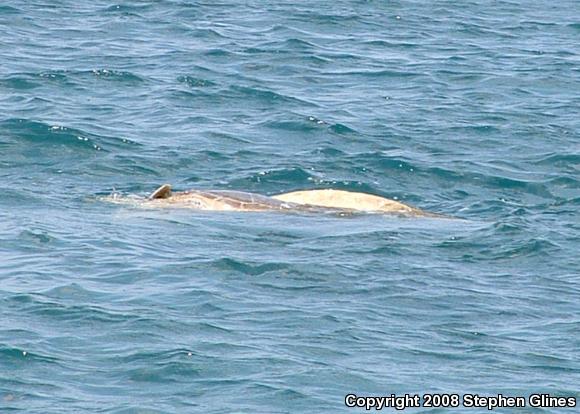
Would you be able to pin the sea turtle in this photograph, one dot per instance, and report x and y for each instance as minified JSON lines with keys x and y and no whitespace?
{"x":337,"y":201}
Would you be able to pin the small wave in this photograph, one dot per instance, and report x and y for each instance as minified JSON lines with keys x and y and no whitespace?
{"x":342,"y":129}
{"x":215,"y":155}
{"x":389,"y":44}
{"x":291,"y":125}
{"x":16,"y":355}
{"x":330,"y":151}
{"x":218,"y":52}
{"x":19,"y":196}
{"x":29,"y":80}
{"x":8,"y":10}
{"x":531,"y":187}
{"x":54,"y":309}
{"x":204,"y":89}
{"x":482,"y":129}
{"x":560,"y":160}
{"x":566,"y":182}
{"x":32,"y":80}
{"x":195,"y":82}
{"x":421,"y":168}
{"x":123,"y":164}
{"x":376,"y":73}
{"x":18,"y":82}
{"x":120,"y":76}
{"x":41,"y":132}
{"x":71,"y":291}
{"x":531,"y":247}
{"x":127,"y":10}
{"x":224,"y":137}
{"x":54,"y":75}
{"x":247,"y":268}
{"x":287,"y":176}
{"x":195,"y":94}
{"x":326,"y":19}
{"x":265,"y":96}
{"x":74,"y":77}
{"x":384,"y":162}
{"x":203,"y":33}
{"x":38,"y":237}
{"x":291,"y":44}
{"x":161,"y":357}
{"x":49,"y":135}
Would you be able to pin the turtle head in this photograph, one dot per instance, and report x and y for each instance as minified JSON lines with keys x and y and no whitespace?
{"x":162,"y":192}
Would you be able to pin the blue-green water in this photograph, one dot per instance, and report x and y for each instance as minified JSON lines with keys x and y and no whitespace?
{"x":468,"y":109}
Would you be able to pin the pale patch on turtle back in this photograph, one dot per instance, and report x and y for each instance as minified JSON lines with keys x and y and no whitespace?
{"x":348,"y":200}
{"x":338,"y":201}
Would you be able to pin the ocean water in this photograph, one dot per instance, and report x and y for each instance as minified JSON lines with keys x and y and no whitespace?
{"x":469,"y":109}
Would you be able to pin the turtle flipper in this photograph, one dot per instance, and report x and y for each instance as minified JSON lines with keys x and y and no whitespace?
{"x":162,"y":192}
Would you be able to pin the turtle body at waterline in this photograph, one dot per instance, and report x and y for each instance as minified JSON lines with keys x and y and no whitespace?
{"x":327,"y":200}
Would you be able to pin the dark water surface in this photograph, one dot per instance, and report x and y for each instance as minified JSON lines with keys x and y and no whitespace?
{"x":468,"y":109}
